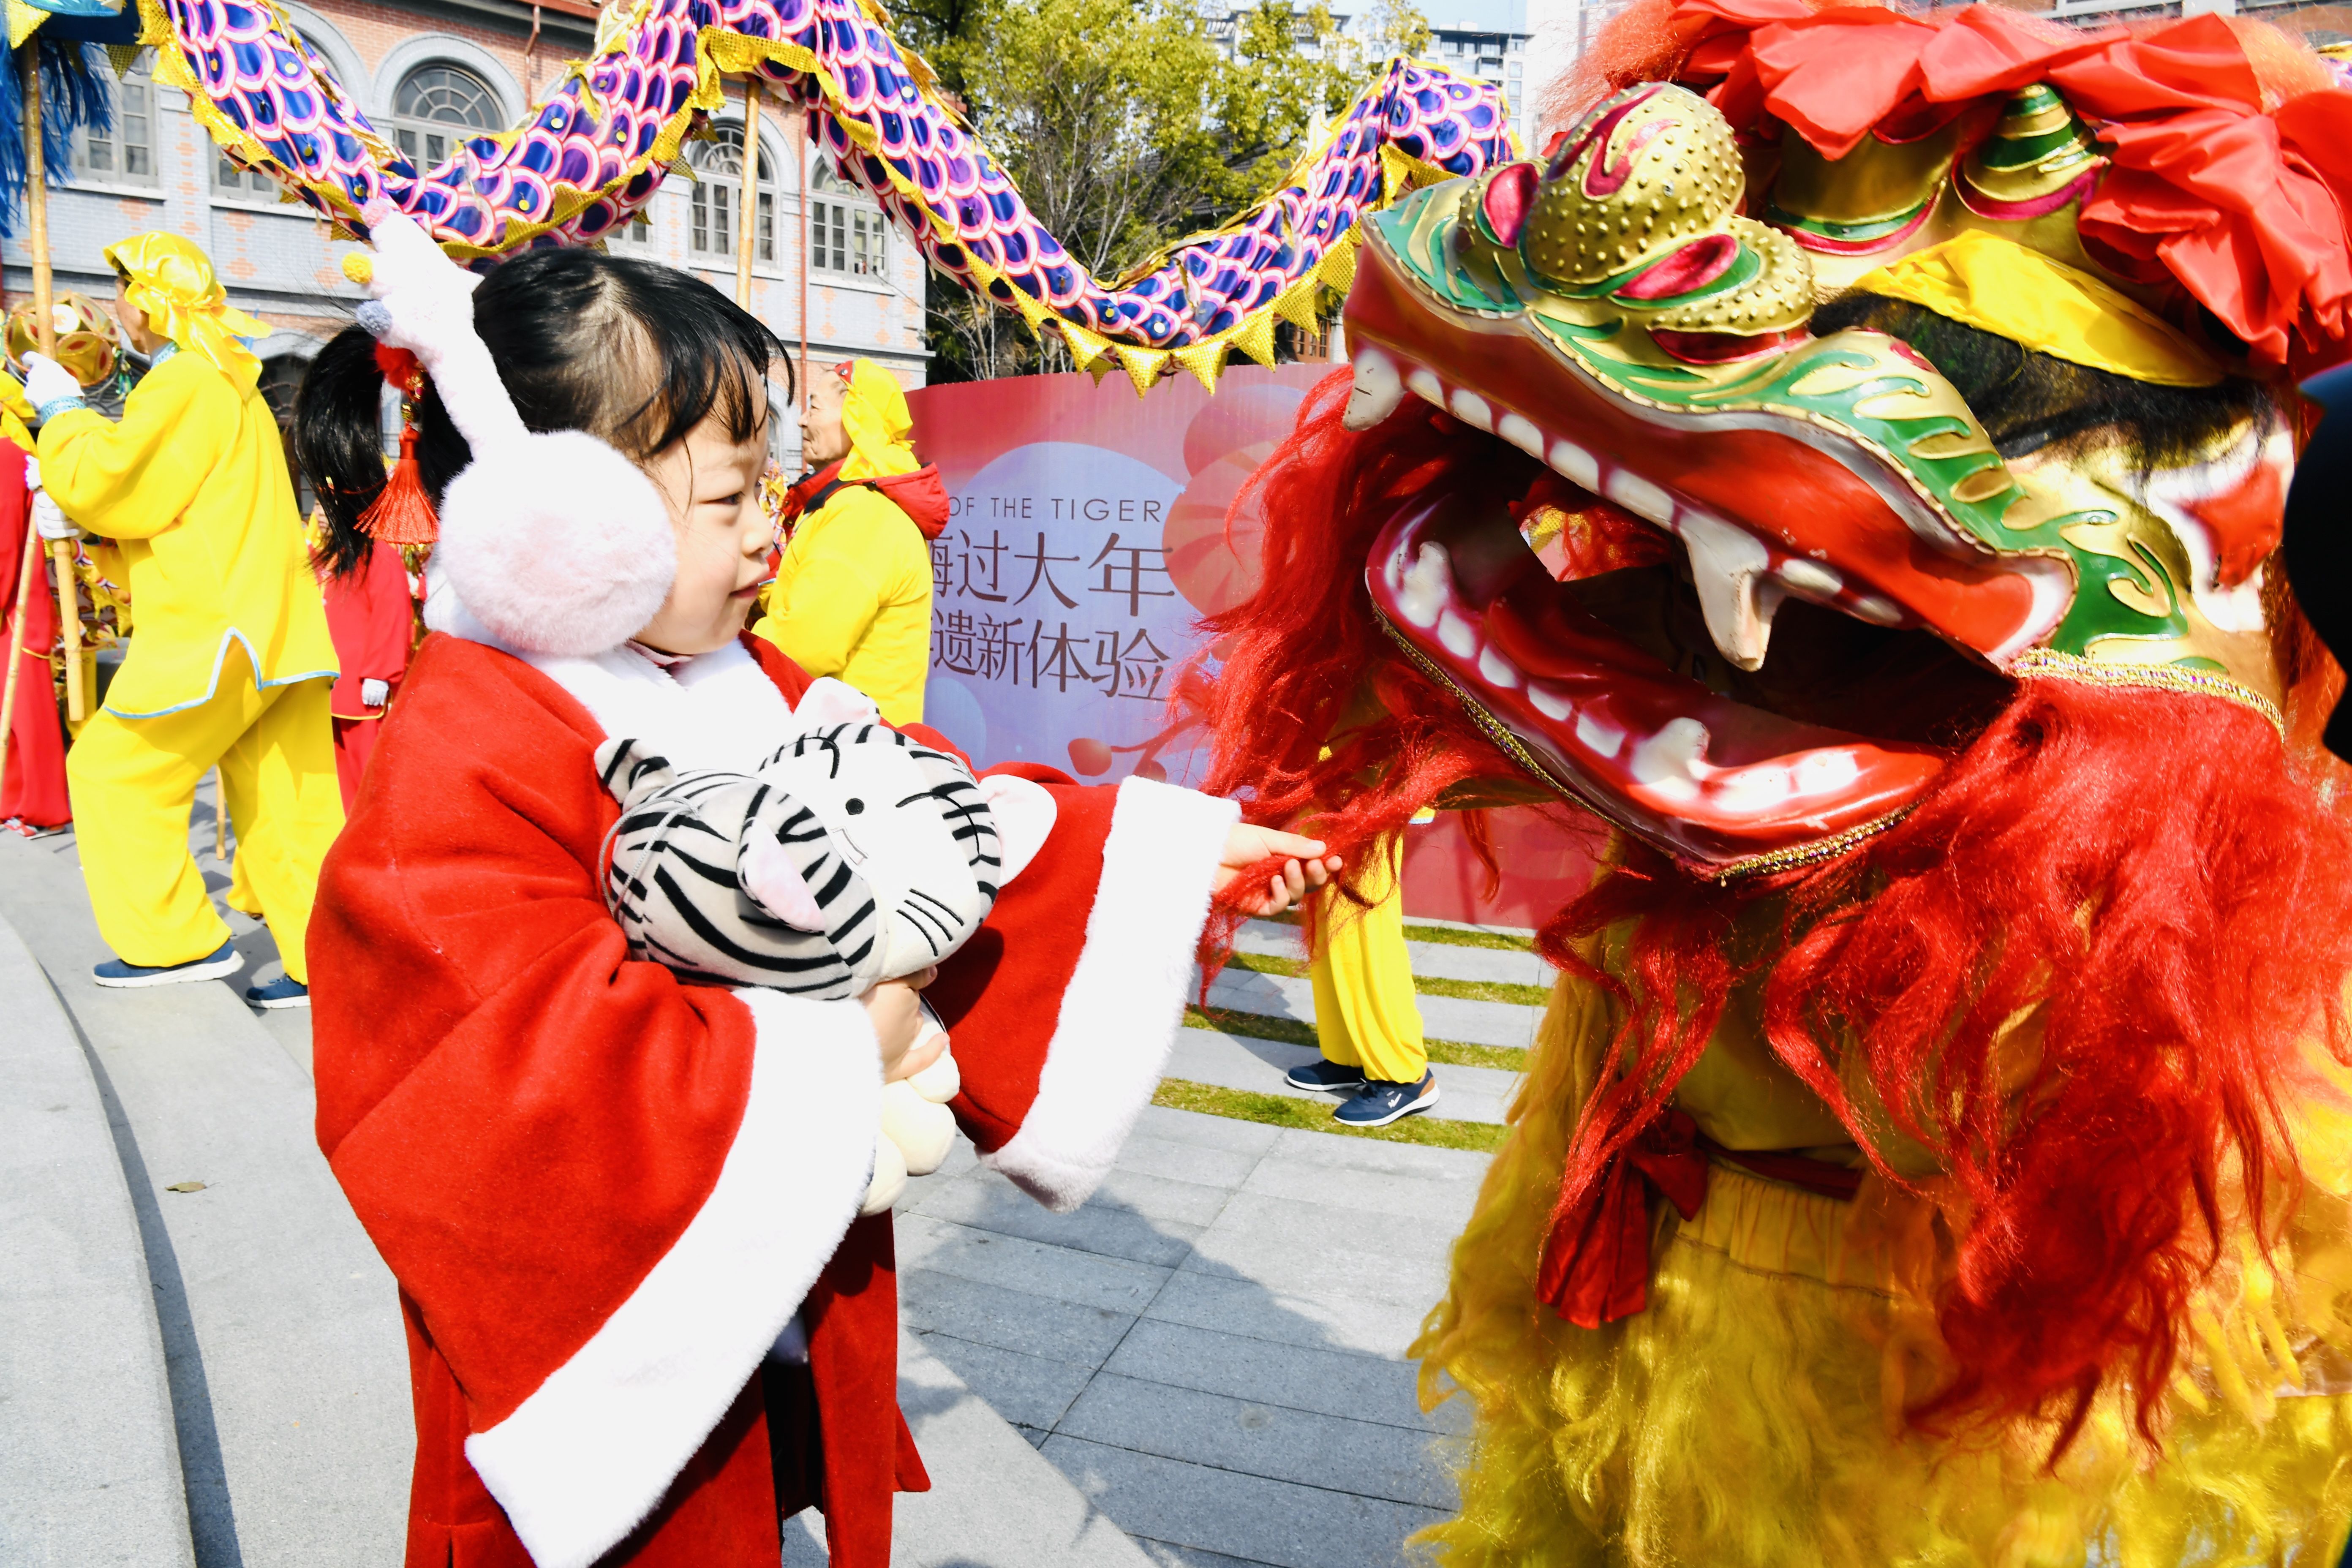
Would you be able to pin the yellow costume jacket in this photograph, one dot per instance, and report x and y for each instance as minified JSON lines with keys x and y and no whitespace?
{"x":852,"y":597}
{"x":193,"y":484}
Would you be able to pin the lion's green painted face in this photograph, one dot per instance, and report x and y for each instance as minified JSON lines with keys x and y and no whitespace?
{"x":1618,"y":320}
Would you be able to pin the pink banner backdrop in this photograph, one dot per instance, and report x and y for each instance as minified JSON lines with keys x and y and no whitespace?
{"x":1086,"y":536}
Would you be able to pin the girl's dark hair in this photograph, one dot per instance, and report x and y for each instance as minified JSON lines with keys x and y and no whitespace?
{"x":630,"y":350}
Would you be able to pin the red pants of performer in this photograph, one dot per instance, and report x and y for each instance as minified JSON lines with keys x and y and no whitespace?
{"x":34,"y":787}
{"x":354,"y":743}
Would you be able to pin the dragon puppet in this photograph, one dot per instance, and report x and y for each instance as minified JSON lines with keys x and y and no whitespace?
{"x":1843,"y":476}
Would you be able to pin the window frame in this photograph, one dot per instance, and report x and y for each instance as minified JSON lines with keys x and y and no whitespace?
{"x":845,"y":221}
{"x":718,"y":193}
{"x":413,"y":133}
{"x":119,"y":148}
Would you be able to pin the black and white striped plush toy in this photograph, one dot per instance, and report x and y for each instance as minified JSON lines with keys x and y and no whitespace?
{"x":851,"y":854}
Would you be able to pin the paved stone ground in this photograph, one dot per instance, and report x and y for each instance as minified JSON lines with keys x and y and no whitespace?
{"x":1213,"y":1347}
{"x":1208,"y":1354}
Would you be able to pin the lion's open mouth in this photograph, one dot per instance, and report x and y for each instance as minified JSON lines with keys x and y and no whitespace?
{"x":1699,"y":684}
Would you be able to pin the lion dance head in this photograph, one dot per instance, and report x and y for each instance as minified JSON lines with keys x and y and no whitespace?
{"x":1846,"y":471}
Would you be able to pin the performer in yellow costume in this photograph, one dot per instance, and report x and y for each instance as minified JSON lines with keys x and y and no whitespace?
{"x":1367,"y":1017}
{"x":231,"y":663}
{"x":852,"y":597}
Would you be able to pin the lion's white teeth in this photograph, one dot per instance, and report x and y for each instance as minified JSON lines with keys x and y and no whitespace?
{"x":1377,"y":391}
{"x":1643,"y":499}
{"x":1810,"y":578}
{"x":1426,"y":387}
{"x":1495,"y":670}
{"x":1472,"y":410}
{"x":1574,"y":464}
{"x":1517,"y":430}
{"x":1421,"y":597}
{"x":1673,"y":761}
{"x":1727,"y":567}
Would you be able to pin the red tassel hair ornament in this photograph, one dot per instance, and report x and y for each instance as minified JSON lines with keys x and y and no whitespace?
{"x":402,"y":513}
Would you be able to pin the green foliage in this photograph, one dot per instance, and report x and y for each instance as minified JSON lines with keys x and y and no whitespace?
{"x":1126,"y":124}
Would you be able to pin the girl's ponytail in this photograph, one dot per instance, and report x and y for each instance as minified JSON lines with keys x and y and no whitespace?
{"x":339,"y":441}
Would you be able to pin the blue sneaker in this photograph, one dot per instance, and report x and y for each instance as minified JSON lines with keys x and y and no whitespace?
{"x":1328,"y":1077}
{"x":220,"y":963}
{"x":1377,"y":1104}
{"x":283,"y":991}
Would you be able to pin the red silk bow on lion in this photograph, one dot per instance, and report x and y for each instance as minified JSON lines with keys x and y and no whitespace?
{"x":1844,"y":476}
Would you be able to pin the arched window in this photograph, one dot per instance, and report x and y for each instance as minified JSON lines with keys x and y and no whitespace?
{"x":719,"y":197}
{"x":437,"y":105}
{"x":847,"y":229}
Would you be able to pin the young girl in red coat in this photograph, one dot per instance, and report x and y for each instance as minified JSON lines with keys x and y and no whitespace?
{"x":607,"y":1196}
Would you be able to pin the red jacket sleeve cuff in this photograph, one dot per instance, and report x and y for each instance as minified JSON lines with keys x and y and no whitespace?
{"x":1064,"y":1017}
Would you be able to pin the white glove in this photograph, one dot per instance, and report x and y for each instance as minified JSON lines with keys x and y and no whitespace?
{"x":32,"y":473}
{"x":372,"y":693}
{"x":49,"y":520}
{"x":47,"y":382}
{"x":425,"y":302}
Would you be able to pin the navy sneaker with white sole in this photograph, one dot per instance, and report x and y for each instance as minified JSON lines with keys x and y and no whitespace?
{"x":221,"y":962}
{"x":282,"y":992}
{"x":1328,"y":1077}
{"x":1377,"y":1104}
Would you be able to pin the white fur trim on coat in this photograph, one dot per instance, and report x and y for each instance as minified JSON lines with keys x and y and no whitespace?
{"x":590,"y":1454}
{"x":1126,"y":999}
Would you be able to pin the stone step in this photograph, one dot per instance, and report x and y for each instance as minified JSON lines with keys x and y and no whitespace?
{"x":1505,"y":1024}
{"x":1244,"y":1062}
{"x":1438,"y":960}
{"x":280,"y":1326}
{"x":89,"y":1465}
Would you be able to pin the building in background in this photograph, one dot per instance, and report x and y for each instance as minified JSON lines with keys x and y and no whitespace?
{"x":1487,"y":39}
{"x":429,"y":75}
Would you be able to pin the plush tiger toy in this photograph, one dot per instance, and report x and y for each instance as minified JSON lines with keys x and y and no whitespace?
{"x":853,"y":854}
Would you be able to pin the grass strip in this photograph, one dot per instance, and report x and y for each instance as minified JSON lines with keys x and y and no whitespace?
{"x":1281,"y":1110}
{"x":1415,"y":932}
{"x":1482,"y":990}
{"x":1290,"y":1032}
{"x":1268,"y":964}
{"x":1499,"y":941}
{"x":1427,"y":985}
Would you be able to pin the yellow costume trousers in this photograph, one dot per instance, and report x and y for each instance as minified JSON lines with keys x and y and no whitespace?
{"x":133,"y":781}
{"x":1365,"y":1012}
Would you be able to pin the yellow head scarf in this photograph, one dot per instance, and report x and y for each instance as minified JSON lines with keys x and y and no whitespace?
{"x":2019,"y":294}
{"x":174,"y":284}
{"x":881,"y":431}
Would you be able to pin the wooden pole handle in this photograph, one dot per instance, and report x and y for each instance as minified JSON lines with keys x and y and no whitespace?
{"x":61,"y":553}
{"x":747,"y":206}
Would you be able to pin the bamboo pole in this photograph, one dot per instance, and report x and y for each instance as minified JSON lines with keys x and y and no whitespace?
{"x":26,"y":575}
{"x":44,"y":327}
{"x":747,"y":208}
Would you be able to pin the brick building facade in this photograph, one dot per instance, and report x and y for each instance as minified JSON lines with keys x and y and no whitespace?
{"x":427,"y":72}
